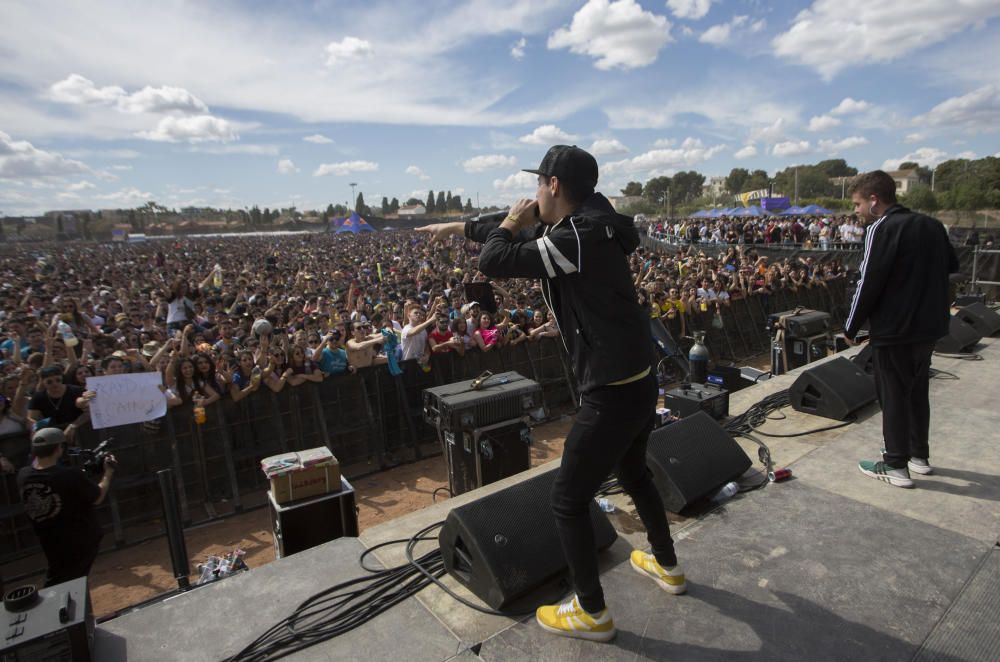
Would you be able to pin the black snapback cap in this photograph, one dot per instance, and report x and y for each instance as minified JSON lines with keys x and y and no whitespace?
{"x":570,"y":164}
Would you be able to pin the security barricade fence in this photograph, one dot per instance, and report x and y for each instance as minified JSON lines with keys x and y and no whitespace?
{"x":370,"y":419}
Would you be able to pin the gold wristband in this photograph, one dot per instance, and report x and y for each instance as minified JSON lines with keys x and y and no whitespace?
{"x":514,"y":218}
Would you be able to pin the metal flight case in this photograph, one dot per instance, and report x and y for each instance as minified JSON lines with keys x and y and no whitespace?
{"x":484,"y":431}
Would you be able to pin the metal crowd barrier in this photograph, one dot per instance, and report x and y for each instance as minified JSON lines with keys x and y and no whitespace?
{"x":371,"y":420}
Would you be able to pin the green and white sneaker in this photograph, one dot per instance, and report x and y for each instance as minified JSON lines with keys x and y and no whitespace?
{"x":918,"y":466}
{"x":880,"y":471}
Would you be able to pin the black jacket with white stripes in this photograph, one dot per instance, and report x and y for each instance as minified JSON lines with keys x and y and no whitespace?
{"x":582,"y":262}
{"x":904,"y":289}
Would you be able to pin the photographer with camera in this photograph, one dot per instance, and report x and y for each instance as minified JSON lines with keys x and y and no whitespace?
{"x":59,"y":500}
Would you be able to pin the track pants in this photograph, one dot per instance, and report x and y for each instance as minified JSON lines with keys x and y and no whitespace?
{"x":901,"y":382}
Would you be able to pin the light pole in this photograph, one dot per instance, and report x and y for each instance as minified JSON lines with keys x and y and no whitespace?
{"x":354,"y":198}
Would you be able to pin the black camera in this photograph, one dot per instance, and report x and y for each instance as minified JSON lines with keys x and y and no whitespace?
{"x":92,"y":460}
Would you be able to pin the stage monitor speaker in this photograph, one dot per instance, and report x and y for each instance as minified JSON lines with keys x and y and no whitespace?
{"x":835,"y":389}
{"x":863,"y":359}
{"x":504,"y":545}
{"x":961,"y":338}
{"x":691,"y":459}
{"x":985,"y":321}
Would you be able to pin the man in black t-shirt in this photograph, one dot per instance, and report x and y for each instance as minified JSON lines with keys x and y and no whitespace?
{"x":58,"y":402}
{"x":59,"y":501}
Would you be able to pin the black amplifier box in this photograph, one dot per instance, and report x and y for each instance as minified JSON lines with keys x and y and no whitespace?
{"x":56,"y":623}
{"x":689,"y":399}
{"x":800,"y":323}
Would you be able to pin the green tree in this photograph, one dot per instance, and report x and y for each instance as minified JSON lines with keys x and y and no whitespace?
{"x":385,"y":206}
{"x":656,"y":190}
{"x":736,"y":178}
{"x":468,"y":205}
{"x":836,"y":168}
{"x":394,"y":206}
{"x":430,"y":202}
{"x":921,"y":198}
{"x":455,"y":204}
{"x":440,"y":206}
{"x":266,"y":217}
{"x":632,"y":188}
{"x":757,"y":180}
{"x":359,"y":204}
{"x":686,"y":185}
{"x":413,"y":201}
{"x":970,"y":197}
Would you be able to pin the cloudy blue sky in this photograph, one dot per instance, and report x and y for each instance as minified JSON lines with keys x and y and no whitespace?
{"x":114,"y":103}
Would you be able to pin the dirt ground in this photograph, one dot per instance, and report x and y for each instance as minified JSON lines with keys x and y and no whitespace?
{"x":122,"y":578}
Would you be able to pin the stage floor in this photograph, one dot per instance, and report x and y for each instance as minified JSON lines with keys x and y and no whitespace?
{"x":829,"y":565}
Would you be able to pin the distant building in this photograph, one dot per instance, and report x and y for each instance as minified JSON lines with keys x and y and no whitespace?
{"x":620,"y":202}
{"x":905,"y":180}
{"x":715,"y":187}
{"x":412,"y":210}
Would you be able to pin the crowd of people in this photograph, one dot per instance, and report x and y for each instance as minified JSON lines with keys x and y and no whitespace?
{"x":819,"y":232}
{"x":224,"y":317}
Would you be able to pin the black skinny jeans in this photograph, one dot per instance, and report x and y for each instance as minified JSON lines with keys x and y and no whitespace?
{"x":902,"y":373}
{"x":609,"y":435}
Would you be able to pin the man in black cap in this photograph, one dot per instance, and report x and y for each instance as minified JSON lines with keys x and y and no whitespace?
{"x":59,"y":501}
{"x":579,"y":249}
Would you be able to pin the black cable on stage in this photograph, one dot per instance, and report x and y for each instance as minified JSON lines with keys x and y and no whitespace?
{"x":434,"y":493}
{"x":805,"y":432}
{"x":764,"y":455}
{"x":934,"y":373}
{"x":341,"y":608}
{"x":964,"y":357}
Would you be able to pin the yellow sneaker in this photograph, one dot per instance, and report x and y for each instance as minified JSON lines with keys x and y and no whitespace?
{"x":571,"y":620}
{"x":671,"y":581}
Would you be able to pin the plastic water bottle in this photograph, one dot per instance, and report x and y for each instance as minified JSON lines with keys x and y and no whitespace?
{"x":217,"y":277}
{"x":66,"y":331}
{"x":606,"y":505}
{"x":726,"y":492}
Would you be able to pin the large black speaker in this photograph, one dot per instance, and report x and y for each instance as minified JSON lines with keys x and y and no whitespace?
{"x":835,"y":389}
{"x":863,"y":359}
{"x":504,"y":545}
{"x":986,"y":322}
{"x":961,"y":338}
{"x":691,"y":459}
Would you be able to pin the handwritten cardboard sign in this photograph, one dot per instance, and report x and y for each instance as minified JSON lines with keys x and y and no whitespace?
{"x":125,"y":399}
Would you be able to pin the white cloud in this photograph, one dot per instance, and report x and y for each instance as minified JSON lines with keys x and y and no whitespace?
{"x":832,"y":147}
{"x":616,"y":33}
{"x":791,"y":148}
{"x":417,"y":172}
{"x":758,"y":25}
{"x":849,"y":105}
{"x":925,"y":156}
{"x":318,"y":139}
{"x":344,"y":168}
{"x":120,"y":166}
{"x":80,"y":91}
{"x":21,"y":159}
{"x":80,"y":186}
{"x":913,"y":138}
{"x":522,"y":182}
{"x":286,"y":167}
{"x":769,"y":134}
{"x":77,"y":90}
{"x":517,"y":49}
{"x":978,"y":110}
{"x":128,"y":197}
{"x":692,"y":9}
{"x":719,"y":35}
{"x":967,"y":154}
{"x":194,"y":129}
{"x":245,"y":148}
{"x":745,"y":152}
{"x":162,"y":100}
{"x":833,"y":35}
{"x":548,"y":134}
{"x":660,"y":143}
{"x":349,"y":48}
{"x":607,"y":146}
{"x":690,"y":153}
{"x":489,"y":162}
{"x":823,"y":123}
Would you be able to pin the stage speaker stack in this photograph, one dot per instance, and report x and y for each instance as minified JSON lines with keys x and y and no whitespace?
{"x":692,"y":459}
{"x":961,"y":338}
{"x":985,"y":321}
{"x":483,"y":428}
{"x":504,"y":546}
{"x":835,"y":389}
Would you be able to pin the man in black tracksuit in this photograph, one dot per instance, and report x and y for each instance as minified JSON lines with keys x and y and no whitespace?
{"x":903,"y":294}
{"x":572,"y":239}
